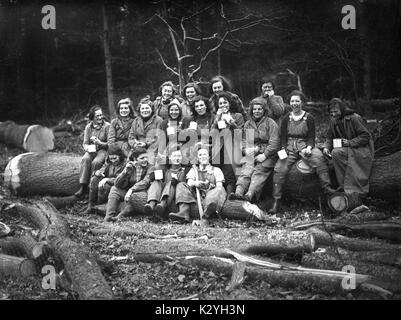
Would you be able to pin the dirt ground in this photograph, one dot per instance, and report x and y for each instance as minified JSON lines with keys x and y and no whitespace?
{"x":166,"y":280}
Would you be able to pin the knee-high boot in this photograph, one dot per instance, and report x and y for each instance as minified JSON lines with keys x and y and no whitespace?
{"x":324,"y":179}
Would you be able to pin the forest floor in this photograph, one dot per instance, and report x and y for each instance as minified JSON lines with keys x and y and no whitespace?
{"x":130,"y":279}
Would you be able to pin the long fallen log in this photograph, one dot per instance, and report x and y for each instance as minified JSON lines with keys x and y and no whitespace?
{"x":385,"y":180}
{"x":16,"y":266}
{"x":55,"y":174}
{"x":33,"y":138}
{"x":43,"y":174}
{"x":79,"y":262}
{"x":325,"y":239}
{"x":380,"y":229}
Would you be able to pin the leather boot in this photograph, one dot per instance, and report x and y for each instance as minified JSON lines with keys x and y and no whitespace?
{"x":324,"y":179}
{"x":249,"y":196}
{"x":91,"y":201}
{"x":238,"y":195}
{"x":126,"y":211}
{"x":229,"y":188}
{"x":149,"y":207}
{"x":277,"y":192}
{"x":210,"y":211}
{"x":83,"y":189}
{"x":161,"y":208}
{"x":183,"y":214}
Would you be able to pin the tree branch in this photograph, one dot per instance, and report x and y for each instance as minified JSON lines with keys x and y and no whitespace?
{"x":165,"y":65}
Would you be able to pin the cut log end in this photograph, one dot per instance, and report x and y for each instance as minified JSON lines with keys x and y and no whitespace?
{"x":11,"y":173}
{"x":38,"y":139}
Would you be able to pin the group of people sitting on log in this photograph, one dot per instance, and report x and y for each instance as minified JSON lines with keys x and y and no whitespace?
{"x":174,"y":147}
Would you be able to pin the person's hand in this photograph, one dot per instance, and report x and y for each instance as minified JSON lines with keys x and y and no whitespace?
{"x":326,"y":152}
{"x":99,"y":174}
{"x":219,"y":112}
{"x":128,"y":195}
{"x":307,"y":151}
{"x":260,"y":158}
{"x":130,"y":165}
{"x":140,"y":144}
{"x":345,"y":142}
{"x":102,"y":183}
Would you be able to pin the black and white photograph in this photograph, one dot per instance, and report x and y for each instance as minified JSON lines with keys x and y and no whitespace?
{"x":197,"y":155}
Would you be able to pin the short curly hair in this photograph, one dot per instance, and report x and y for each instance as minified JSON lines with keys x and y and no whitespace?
{"x":92,"y":110}
{"x":196,"y":99}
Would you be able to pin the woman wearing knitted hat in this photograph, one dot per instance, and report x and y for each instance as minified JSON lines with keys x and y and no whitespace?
{"x":121,"y":125}
{"x":103,"y":179}
{"x":260,"y":146}
{"x":353,"y":157}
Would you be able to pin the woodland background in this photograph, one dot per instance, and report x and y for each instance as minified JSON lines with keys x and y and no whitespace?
{"x":102,"y":51}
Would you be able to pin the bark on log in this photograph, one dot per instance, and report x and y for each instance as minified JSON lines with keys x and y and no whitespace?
{"x":62,"y":202}
{"x":324,"y":239}
{"x":282,"y":278}
{"x":43,"y":174}
{"x":79,"y":262}
{"x":384,"y":230}
{"x":32,"y":138}
{"x":21,"y":246}
{"x":385,"y":180}
{"x":16,"y":266}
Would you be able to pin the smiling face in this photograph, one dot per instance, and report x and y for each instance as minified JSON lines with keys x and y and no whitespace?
{"x":267,"y":88}
{"x":200,"y":107}
{"x":224,"y":105}
{"x":174,"y":111}
{"x":114,"y":159}
{"x":335,"y":111}
{"x":203,"y":157}
{"x":124,"y":110}
{"x":257,"y":111}
{"x":217,"y":87}
{"x":145,"y":110}
{"x":98,"y":118}
{"x":190,"y":93}
{"x":296,"y":104}
{"x":176,"y":157}
{"x":142,"y":159}
{"x":167,"y":92}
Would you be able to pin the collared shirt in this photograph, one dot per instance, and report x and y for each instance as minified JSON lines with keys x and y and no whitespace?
{"x":213,"y":174}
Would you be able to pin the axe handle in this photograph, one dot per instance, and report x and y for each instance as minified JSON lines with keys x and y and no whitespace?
{"x":198,"y":196}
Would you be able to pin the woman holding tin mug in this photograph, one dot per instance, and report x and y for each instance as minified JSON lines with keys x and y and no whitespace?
{"x":95,"y":146}
{"x":351,"y":147}
{"x":297,"y":142}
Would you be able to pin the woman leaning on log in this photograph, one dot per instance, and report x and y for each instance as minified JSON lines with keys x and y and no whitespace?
{"x":353,"y":157}
{"x":121,"y":125}
{"x":260,"y":145}
{"x":95,"y":146}
{"x":228,"y":154}
{"x":144,"y":131}
{"x":209,"y":181}
{"x":134,"y":178}
{"x":103,"y":179}
{"x":297,"y":141}
{"x":161,"y":192}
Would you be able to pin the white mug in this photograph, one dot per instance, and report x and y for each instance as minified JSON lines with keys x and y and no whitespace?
{"x":91,"y":148}
{"x":282,"y":154}
{"x":221,"y":124}
{"x":174,"y":176}
{"x":193,"y":125}
{"x":170,"y":131}
{"x":158,"y":174}
{"x":337,"y":143}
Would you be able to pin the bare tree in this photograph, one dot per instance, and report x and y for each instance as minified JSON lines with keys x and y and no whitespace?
{"x":186,"y":30}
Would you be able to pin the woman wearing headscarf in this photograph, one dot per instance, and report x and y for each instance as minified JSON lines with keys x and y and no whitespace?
{"x":260,"y":145}
{"x":353,"y":157}
{"x":95,"y":146}
{"x":121,"y":125}
{"x":145,"y":129}
{"x":298,"y":140}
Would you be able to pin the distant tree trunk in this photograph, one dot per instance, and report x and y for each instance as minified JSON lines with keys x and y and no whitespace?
{"x":365,"y":54}
{"x":107,"y":58}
